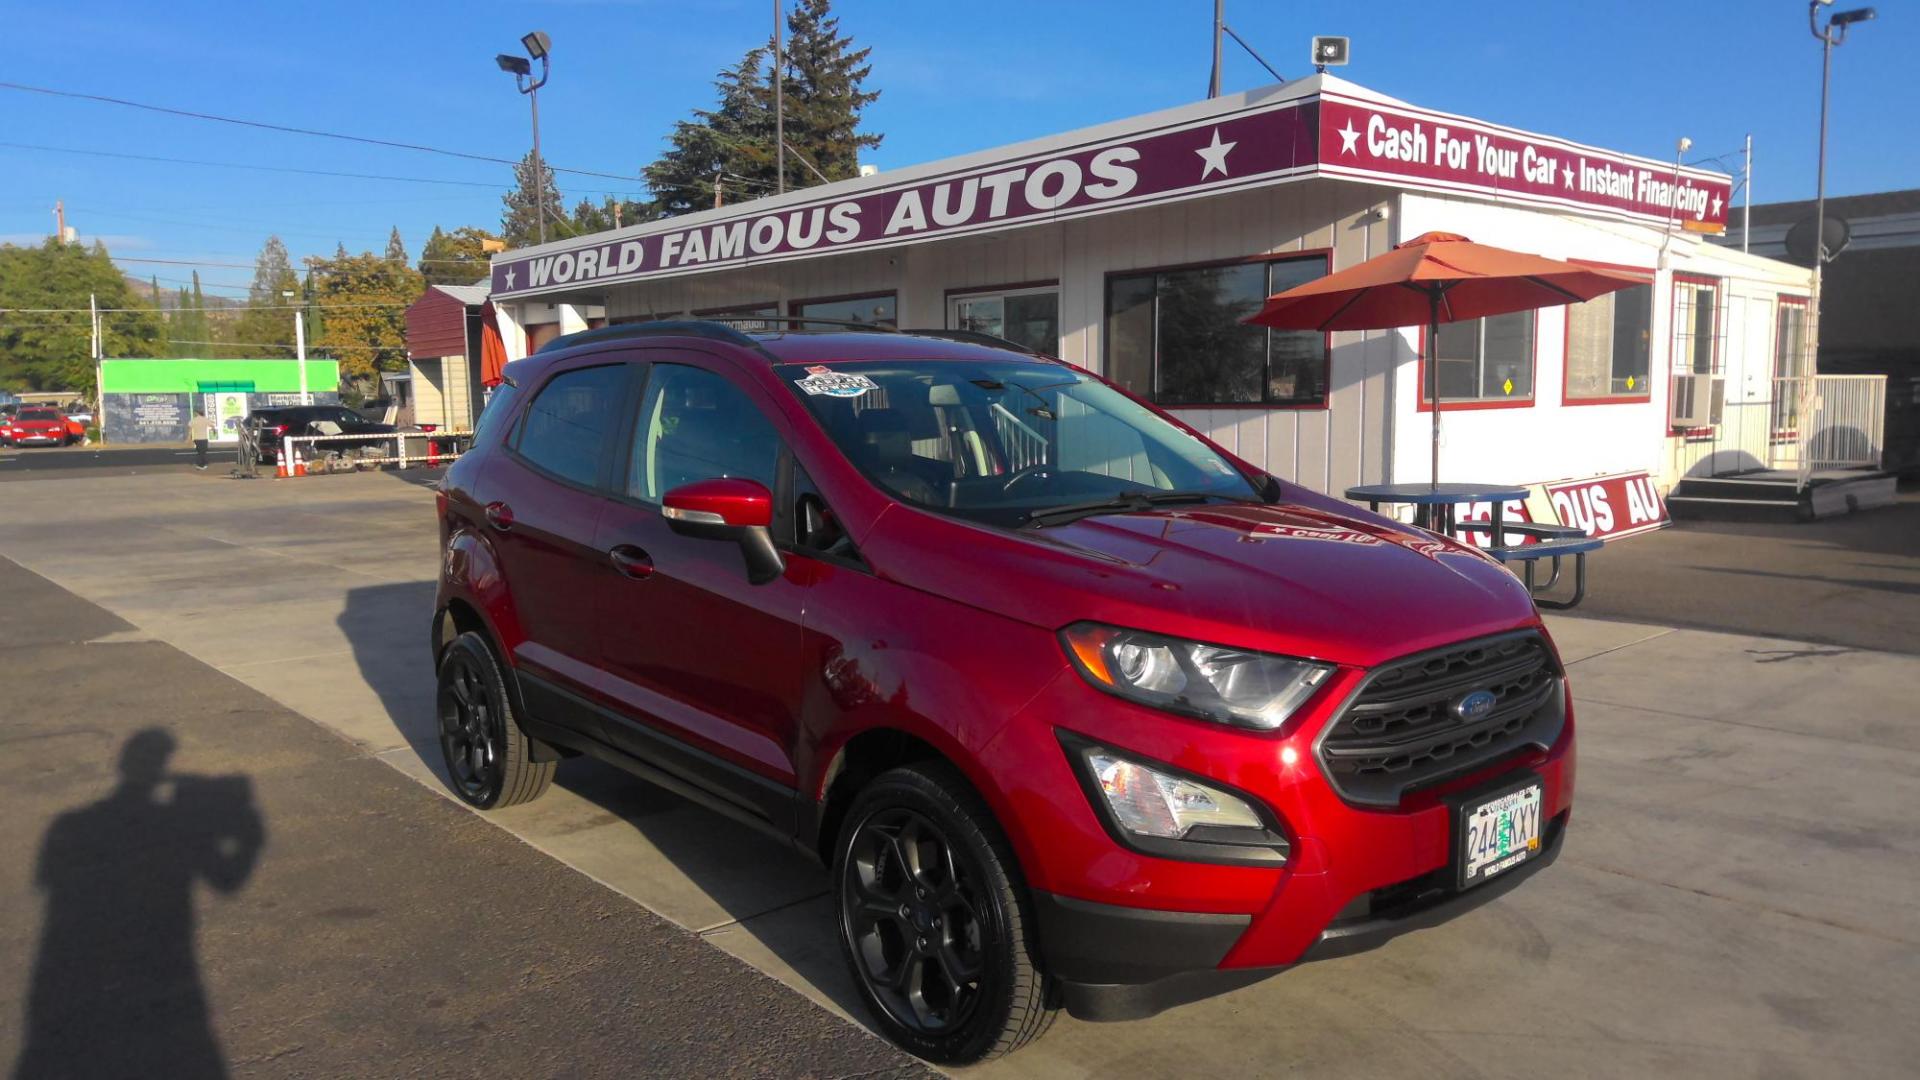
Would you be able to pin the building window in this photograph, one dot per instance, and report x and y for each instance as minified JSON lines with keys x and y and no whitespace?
{"x":1695,"y":346}
{"x":877,"y":308}
{"x":1176,"y":338}
{"x":1790,"y":338}
{"x":1488,"y":359}
{"x":1609,"y":341}
{"x":1029,"y":318}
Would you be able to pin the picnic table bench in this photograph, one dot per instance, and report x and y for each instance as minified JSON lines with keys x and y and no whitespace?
{"x":1436,"y":509}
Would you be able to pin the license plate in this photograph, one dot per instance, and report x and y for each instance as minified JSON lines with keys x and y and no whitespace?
{"x":1499,"y":832}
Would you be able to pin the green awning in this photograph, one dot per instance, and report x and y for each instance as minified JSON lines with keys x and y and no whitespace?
{"x":206,"y":387}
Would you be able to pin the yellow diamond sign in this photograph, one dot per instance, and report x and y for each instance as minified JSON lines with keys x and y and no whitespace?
{"x":1629,"y":382}
{"x":1507,"y":386}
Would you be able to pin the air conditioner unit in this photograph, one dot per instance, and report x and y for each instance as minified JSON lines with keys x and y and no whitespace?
{"x":1698,"y":400}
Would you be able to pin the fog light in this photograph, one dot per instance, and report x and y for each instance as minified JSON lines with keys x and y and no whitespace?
{"x":1151,"y":803}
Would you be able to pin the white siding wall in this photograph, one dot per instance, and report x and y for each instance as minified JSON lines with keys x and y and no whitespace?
{"x":1551,"y":440}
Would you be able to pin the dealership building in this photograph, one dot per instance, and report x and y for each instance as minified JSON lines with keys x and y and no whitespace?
{"x":1135,"y":248}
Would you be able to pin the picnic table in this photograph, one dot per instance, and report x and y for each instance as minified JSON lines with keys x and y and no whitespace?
{"x":1437,"y":510}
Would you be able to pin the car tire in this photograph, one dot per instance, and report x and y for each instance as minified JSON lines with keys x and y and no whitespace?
{"x":489,"y":759}
{"x":943,"y":955}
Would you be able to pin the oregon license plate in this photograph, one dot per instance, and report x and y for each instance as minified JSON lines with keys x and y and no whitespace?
{"x":1499,"y":832}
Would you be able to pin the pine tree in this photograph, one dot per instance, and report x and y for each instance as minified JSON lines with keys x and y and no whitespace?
{"x":730,"y":145}
{"x":268,"y":319}
{"x":609,"y":213}
{"x":825,"y":95}
{"x":396,"y":249}
{"x":520,"y":221}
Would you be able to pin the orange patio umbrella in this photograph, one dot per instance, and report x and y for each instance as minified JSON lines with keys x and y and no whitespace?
{"x":493,"y":348}
{"x":1434,"y":278}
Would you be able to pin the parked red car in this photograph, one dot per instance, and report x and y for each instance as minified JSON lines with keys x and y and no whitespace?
{"x":41,"y":427}
{"x":1078,"y":707}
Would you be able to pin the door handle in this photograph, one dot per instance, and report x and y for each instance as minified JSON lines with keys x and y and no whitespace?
{"x":500,"y":516}
{"x":631,"y":561}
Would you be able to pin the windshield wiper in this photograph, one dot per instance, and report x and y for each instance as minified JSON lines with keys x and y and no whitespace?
{"x":1131,"y":502}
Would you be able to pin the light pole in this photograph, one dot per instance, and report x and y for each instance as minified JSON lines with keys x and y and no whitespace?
{"x":299,"y":345}
{"x":1830,"y":35}
{"x":537,"y":45}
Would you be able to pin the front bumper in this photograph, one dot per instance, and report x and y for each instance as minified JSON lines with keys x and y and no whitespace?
{"x":1122,"y":963}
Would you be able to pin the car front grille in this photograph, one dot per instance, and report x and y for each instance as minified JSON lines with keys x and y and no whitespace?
{"x":1401,"y":732}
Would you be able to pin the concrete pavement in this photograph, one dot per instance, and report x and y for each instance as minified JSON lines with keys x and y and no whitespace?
{"x":204,"y":881}
{"x":1740,"y":894}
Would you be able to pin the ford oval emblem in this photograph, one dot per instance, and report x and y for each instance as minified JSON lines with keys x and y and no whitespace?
{"x":1474,"y":706}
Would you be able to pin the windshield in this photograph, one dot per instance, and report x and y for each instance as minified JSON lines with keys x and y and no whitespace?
{"x":1005,"y":443}
{"x":39,"y":414}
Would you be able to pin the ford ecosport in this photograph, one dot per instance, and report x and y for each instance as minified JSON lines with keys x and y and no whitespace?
{"x":1079,"y":708}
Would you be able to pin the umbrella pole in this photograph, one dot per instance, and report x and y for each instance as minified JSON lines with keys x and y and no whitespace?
{"x":1433,"y":377}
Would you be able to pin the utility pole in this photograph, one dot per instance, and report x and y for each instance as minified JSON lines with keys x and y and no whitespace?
{"x":779,"y":111}
{"x":60,"y":220}
{"x":1219,"y":22}
{"x":1746,"y":206}
{"x":300,"y":347}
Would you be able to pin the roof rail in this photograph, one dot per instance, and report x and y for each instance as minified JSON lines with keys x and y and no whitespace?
{"x":975,"y":337}
{"x":702,"y":328}
{"x":778,"y":320}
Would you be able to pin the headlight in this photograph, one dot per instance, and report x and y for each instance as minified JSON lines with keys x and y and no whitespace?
{"x":1155,"y":809}
{"x":1232,"y":686}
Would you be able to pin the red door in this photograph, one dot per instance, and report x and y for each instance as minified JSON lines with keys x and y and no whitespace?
{"x":543,"y":502}
{"x":690,"y":648}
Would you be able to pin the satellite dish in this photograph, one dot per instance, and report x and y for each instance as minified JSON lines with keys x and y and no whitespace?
{"x":1800,"y":239}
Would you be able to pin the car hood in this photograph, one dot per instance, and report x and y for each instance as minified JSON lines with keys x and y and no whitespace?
{"x":1296,"y":578}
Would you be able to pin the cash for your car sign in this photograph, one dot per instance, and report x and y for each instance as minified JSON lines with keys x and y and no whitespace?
{"x":1442,"y":152}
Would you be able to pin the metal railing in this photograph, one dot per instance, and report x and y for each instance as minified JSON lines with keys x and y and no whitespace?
{"x":1829,"y":422}
{"x":303,"y":454}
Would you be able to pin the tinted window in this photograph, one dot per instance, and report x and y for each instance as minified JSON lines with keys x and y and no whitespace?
{"x":572,"y":420}
{"x":1176,"y":336}
{"x":499,"y":404}
{"x":695,"y":425}
{"x":39,"y":414}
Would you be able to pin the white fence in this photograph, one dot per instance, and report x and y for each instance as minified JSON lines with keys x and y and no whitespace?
{"x":304,"y":454}
{"x":1806,"y":424}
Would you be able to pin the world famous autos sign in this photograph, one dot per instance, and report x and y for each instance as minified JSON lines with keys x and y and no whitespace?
{"x":1179,"y":160}
{"x":1184,"y":154}
{"x":1421,"y":149}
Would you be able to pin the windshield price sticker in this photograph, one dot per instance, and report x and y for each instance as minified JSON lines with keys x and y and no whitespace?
{"x":838,"y":385}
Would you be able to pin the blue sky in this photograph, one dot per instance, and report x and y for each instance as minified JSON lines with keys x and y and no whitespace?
{"x":1625,"y":75}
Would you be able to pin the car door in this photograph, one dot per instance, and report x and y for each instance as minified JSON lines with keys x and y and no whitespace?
{"x":703,"y":664}
{"x":542,"y":502}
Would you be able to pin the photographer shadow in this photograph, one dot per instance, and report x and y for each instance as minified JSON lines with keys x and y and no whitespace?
{"x":116,"y":987}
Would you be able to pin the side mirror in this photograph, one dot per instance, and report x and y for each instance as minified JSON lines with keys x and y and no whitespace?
{"x":724,"y":509}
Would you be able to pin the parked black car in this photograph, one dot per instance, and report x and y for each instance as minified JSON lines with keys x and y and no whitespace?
{"x":273,"y":425}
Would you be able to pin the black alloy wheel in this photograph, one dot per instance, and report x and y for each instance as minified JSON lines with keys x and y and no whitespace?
{"x":913,"y":921}
{"x":470,"y":734}
{"x":933,"y":918}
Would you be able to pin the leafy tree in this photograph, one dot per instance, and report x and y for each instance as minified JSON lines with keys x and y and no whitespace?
{"x":520,"y":223}
{"x":51,"y":349}
{"x":396,"y":248}
{"x":825,"y":94}
{"x":268,"y":319}
{"x":455,"y":258}
{"x":365,"y":299}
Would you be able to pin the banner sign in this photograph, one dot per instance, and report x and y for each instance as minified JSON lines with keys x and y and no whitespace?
{"x":1226,"y":152}
{"x":1417,"y":148}
{"x":1512,"y":510}
{"x":1609,"y":507}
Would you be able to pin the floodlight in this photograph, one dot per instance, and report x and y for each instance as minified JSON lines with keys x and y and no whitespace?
{"x":519,"y":65}
{"x":1848,"y":18}
{"x":536,"y":43}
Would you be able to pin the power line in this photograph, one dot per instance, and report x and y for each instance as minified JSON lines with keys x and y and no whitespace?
{"x":311,"y":347}
{"x":280,"y":168}
{"x":296,"y":130}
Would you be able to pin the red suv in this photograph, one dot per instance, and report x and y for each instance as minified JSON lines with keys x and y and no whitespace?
{"x":1078,"y":707}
